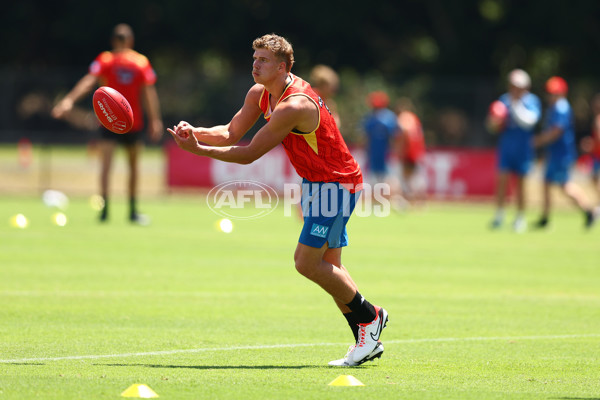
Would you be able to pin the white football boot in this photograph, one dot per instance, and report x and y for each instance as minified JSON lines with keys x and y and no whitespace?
{"x":368,"y":336}
{"x":348,"y":360}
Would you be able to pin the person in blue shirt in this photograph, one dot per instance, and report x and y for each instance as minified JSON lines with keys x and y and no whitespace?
{"x":558,"y":140}
{"x":515,"y":147}
{"x":380,"y":126}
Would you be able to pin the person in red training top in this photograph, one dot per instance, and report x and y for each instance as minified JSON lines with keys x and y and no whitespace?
{"x":410,"y":149}
{"x":591,"y":145}
{"x":300,"y":120}
{"x":131,"y":74}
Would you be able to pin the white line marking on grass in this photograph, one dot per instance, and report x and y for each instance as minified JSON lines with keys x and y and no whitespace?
{"x":483,"y":338}
{"x":168,"y":352}
{"x":294,"y":345}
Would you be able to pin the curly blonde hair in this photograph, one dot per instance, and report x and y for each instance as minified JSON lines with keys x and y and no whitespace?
{"x":279,"y":46}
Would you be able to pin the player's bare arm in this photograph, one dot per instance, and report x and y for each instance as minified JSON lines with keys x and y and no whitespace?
{"x":548,"y":136}
{"x":83,"y":87}
{"x":230,"y":134}
{"x":597,"y":127}
{"x":296,"y":112}
{"x":152,"y":106}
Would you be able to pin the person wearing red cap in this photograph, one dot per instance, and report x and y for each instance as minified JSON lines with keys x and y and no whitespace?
{"x":380,"y":127}
{"x":515,"y":149}
{"x":558,"y":140}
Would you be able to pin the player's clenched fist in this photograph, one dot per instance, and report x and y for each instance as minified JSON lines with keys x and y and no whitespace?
{"x":183,"y":129}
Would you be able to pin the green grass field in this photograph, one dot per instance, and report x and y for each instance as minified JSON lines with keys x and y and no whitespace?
{"x":88,"y":310}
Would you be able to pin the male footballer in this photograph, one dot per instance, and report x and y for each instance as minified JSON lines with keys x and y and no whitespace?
{"x":300,"y":120}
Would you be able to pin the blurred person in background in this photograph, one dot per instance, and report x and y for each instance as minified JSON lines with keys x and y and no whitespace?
{"x":326,"y":83}
{"x":560,"y":151}
{"x":381,"y":129}
{"x":410,"y":148}
{"x":591,"y":145}
{"x":515,"y":128}
{"x":131,"y":74}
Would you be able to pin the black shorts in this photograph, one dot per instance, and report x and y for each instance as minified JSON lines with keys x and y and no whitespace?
{"x":125,"y":139}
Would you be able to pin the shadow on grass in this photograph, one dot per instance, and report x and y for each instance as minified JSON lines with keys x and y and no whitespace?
{"x":25,"y":363}
{"x":214,"y":366}
{"x":574,"y":398}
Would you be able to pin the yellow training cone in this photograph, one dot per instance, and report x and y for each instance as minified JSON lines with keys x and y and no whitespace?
{"x":139,"y":390}
{"x":346,"y":380}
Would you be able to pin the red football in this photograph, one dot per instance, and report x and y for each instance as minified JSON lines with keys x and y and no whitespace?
{"x":497,"y":116}
{"x":498,"y":110}
{"x":112,"y":110}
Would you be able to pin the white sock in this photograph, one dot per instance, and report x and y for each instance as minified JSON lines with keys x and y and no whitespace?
{"x":520,"y":216}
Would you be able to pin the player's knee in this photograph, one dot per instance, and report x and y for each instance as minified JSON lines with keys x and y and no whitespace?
{"x":300,"y":266}
{"x":304,"y":268}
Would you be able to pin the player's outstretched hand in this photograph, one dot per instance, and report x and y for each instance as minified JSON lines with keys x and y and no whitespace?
{"x":184,"y":137}
{"x":184,"y":129}
{"x":62,"y":108}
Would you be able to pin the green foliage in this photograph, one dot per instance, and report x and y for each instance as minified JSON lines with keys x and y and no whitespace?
{"x":470,"y":37}
{"x":456,"y":53}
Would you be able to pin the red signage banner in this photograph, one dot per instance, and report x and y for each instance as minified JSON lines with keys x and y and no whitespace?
{"x":449,"y":173}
